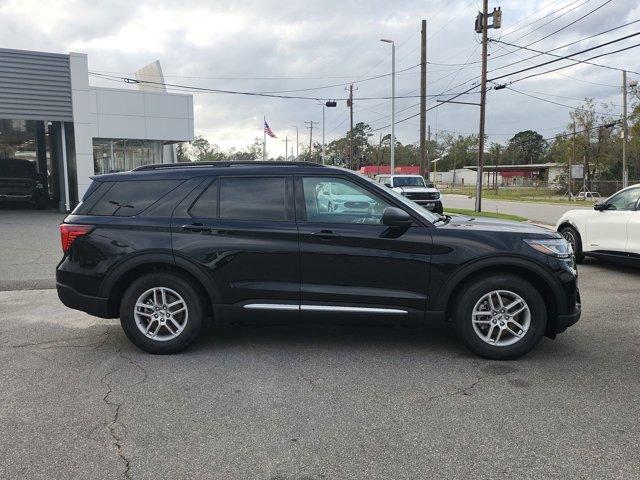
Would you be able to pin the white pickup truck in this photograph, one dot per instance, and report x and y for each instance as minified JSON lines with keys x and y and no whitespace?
{"x":414,"y":188}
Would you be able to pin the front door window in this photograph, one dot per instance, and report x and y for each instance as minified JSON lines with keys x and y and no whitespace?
{"x":336,"y":200}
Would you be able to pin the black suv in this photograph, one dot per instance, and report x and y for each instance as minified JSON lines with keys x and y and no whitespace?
{"x":165,"y":247}
{"x":21,"y":182}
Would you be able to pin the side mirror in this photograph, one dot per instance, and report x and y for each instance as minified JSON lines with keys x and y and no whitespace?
{"x":600,"y":206}
{"x":387,"y":184}
{"x":395,"y":217}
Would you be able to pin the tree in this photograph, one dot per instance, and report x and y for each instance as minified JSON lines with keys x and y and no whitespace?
{"x":528,"y":146}
{"x":182,"y":152}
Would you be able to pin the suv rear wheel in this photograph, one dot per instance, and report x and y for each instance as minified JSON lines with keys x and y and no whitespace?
{"x":500,"y":317}
{"x":161,"y":313}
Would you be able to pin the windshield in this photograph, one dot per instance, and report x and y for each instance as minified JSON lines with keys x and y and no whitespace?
{"x":408,"y":182}
{"x":343,"y":189}
{"x":423,"y":212}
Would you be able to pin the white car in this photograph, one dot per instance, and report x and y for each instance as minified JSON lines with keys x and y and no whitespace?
{"x":341,"y":198}
{"x":610,"y":230}
{"x":414,"y":188}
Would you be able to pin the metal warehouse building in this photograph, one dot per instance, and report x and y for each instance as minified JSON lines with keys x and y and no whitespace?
{"x":69,"y":130}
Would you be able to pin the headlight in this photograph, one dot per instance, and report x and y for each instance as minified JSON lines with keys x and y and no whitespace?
{"x":555,"y":247}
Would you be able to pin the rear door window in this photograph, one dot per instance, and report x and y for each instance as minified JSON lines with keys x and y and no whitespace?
{"x":128,"y":198}
{"x":206,"y":206}
{"x":254,"y":198}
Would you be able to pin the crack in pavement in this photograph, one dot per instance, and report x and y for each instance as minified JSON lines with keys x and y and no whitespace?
{"x":117,"y":439}
{"x":60,"y":340}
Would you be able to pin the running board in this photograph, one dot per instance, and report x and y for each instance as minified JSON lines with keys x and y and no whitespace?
{"x":323,"y":308}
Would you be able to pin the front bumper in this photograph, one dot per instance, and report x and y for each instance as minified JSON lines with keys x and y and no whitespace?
{"x":565,"y":321}
{"x":71,"y":298}
{"x":432,"y":205}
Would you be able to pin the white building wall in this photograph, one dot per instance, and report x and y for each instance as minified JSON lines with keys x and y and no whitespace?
{"x":80,"y":99}
{"x":463,"y":176}
{"x":123,"y":114}
{"x":141,"y":115}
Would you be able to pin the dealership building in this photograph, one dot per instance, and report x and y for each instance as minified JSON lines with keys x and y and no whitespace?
{"x":69,"y":130}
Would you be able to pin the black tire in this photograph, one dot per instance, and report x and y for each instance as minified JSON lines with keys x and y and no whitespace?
{"x":194,"y":305}
{"x":479,"y":287}
{"x":567,"y":232}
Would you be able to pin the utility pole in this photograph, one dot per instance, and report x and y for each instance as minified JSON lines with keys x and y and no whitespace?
{"x":310,"y":127}
{"x":572,"y":159}
{"x":428,"y":159}
{"x":424,"y":156}
{"x":482,"y":26}
{"x":350,"y":105}
{"x":625,"y":174}
{"x":483,"y":99}
{"x":393,"y":103}
{"x":286,"y":147}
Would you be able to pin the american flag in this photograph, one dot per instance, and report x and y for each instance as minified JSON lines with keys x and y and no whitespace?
{"x":268,"y":131}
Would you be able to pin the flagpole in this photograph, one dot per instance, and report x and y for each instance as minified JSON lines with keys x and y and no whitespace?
{"x":264,"y":139}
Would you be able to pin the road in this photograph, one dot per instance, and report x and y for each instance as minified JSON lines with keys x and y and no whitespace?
{"x":537,"y":212}
{"x":324,"y":402}
{"x":29,"y":248}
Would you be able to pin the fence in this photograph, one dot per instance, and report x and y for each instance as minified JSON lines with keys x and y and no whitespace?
{"x":543,"y":191}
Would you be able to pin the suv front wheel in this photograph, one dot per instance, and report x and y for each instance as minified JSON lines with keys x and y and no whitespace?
{"x":161,"y":313}
{"x":500,"y":317}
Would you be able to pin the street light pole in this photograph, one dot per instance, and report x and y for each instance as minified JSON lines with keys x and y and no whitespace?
{"x":393,"y":103}
{"x":322,"y":134}
{"x":625,"y":174}
{"x":330,"y":103}
{"x":297,"y":141}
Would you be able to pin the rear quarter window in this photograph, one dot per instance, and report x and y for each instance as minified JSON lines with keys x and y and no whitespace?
{"x":128,"y":198}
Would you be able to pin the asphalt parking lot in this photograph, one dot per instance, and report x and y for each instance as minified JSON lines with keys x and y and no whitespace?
{"x":322,"y":402}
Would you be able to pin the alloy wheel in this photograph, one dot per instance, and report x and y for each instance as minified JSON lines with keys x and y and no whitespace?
{"x":501,"y":318}
{"x":161,"y":314}
{"x":570,"y":237}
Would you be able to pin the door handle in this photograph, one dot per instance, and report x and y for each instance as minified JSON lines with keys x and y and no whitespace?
{"x":196,"y":227}
{"x":325,"y":234}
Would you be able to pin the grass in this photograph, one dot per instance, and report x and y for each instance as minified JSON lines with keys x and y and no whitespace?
{"x":520,"y":195}
{"x":471,"y":213}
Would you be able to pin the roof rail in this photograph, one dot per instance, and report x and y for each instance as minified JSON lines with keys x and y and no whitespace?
{"x":161,"y":166}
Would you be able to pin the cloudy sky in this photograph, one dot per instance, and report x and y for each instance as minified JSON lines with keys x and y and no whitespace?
{"x":278,"y":46}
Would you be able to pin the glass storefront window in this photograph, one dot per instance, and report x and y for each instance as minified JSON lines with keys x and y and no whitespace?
{"x":118,"y":155}
{"x":29,"y":168}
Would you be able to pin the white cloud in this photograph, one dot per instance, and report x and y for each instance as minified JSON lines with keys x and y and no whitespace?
{"x":198,"y":39}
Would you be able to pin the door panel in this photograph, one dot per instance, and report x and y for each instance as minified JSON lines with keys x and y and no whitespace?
{"x":251,"y":262}
{"x":607,"y":230}
{"x":633,"y":233}
{"x":350,"y":262}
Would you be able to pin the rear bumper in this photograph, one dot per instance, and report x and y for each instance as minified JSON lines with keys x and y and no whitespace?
{"x":71,"y":298}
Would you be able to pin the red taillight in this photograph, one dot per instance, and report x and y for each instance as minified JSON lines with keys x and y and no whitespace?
{"x":70,"y":232}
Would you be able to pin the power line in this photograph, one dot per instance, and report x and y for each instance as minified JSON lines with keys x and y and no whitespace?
{"x":567,"y":66}
{"x":560,"y":47}
{"x":510,"y":32}
{"x":343,"y":84}
{"x":567,"y":57}
{"x":540,"y":52}
{"x":571,"y":107}
{"x":581,"y":80}
{"x":561,"y":28}
{"x":192,"y":88}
